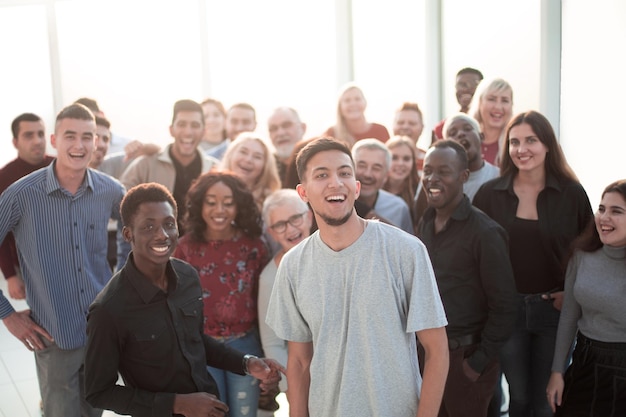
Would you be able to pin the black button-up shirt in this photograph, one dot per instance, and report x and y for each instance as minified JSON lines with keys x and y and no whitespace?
{"x":154,"y":339}
{"x":470,"y":258}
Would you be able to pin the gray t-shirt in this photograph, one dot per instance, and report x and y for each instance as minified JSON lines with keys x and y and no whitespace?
{"x":360,"y":307}
{"x":595,"y":285}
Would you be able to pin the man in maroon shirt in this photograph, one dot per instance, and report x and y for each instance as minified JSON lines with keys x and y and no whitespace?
{"x":30,"y":141}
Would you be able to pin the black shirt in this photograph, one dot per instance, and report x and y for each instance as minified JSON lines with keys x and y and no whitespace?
{"x":563,"y":210}
{"x":471,"y":263}
{"x":154,"y":339}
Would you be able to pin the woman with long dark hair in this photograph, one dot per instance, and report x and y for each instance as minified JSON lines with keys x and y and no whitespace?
{"x":540,"y":203}
{"x":223,"y":243}
{"x":595,"y":284}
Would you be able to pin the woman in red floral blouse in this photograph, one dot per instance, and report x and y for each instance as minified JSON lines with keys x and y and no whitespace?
{"x":223,"y":243}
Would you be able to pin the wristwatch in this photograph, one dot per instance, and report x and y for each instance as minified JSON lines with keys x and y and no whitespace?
{"x":246,"y":359}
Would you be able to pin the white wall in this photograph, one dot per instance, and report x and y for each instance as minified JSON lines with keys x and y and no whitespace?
{"x":593,"y":92}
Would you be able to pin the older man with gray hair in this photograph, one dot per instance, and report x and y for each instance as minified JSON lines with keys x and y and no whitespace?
{"x":373,"y":160}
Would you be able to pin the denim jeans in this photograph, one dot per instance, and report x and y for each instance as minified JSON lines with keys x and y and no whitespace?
{"x":241,"y":393}
{"x":61,"y":382}
{"x":526,"y":358}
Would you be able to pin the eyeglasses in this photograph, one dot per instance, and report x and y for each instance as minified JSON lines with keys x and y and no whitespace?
{"x":295,"y":220}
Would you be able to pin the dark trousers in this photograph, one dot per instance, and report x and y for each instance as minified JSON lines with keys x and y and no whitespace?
{"x":595,"y":382}
{"x":463,"y":397}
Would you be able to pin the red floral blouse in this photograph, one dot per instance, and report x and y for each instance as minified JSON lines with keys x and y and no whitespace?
{"x":229,"y":275}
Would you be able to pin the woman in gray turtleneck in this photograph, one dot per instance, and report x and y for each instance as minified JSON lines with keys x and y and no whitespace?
{"x":595,"y":306}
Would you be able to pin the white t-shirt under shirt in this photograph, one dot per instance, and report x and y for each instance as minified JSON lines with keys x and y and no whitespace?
{"x":360,"y":307}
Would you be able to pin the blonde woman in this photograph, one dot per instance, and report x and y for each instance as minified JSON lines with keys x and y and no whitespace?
{"x":492,"y":107}
{"x":351,"y":125}
{"x":252,"y":160}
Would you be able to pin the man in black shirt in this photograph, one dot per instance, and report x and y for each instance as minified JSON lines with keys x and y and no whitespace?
{"x":147,"y":324}
{"x":469,"y":254}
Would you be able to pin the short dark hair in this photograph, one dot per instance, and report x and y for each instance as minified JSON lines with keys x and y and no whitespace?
{"x":316,"y":146}
{"x":90,"y":103}
{"x":150,"y":192}
{"x":245,"y":106}
{"x":248,"y":218}
{"x":76,"y":111}
{"x":187,"y":105}
{"x":468,"y":70}
{"x":103,"y":121}
{"x":24,"y":117}
{"x":456,"y":147}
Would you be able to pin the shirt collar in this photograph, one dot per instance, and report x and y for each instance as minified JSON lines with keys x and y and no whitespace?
{"x":506,"y":183}
{"x":52,"y":182}
{"x":461,"y":212}
{"x":146,"y":290}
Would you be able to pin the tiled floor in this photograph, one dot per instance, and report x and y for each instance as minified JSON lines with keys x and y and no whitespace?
{"x":19,"y":390}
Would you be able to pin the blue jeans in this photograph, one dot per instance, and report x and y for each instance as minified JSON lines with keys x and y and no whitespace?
{"x":241,"y":393}
{"x":61,"y":382}
{"x":526,"y":358}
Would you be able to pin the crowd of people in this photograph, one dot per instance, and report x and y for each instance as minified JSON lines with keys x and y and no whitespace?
{"x":382,"y":279}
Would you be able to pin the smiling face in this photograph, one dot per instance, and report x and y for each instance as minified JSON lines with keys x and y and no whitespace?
{"x":401,"y":162}
{"x":187,"y":130}
{"x":285,"y":131}
{"x":371,"y":170}
{"x":297,"y":225}
{"x":103,"y":141}
{"x":527,"y":152}
{"x":330,"y":187}
{"x":462,"y":132}
{"x":610,"y":219}
{"x":408,"y":123}
{"x":152,"y":234}
{"x":219,"y":211}
{"x":31,"y":142}
{"x":214,"y":121}
{"x":496,"y":108}
{"x":443,"y":178}
{"x":74,"y":140}
{"x":248,"y":161}
{"x":352,"y":104}
{"x":239,"y":120}
{"x":465,"y":87}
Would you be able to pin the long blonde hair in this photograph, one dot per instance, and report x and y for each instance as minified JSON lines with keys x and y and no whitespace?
{"x":485,"y":87}
{"x":340,"y":128}
{"x":268,"y":180}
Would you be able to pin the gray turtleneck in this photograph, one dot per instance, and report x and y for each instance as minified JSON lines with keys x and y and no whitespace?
{"x":595,"y":285}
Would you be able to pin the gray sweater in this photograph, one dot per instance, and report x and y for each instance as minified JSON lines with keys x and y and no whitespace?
{"x":595,"y":286}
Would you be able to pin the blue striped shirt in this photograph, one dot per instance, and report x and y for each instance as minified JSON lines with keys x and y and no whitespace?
{"x":61,"y":241}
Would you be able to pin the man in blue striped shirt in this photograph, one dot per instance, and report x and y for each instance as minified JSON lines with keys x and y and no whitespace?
{"x":59,"y":216}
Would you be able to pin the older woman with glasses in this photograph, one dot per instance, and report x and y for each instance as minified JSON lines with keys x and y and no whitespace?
{"x":288,"y":220}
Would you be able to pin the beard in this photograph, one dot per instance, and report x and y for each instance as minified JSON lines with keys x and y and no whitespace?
{"x":334,"y":221}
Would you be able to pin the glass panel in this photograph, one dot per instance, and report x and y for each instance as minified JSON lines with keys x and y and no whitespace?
{"x":592,"y":95}
{"x":25,"y":82}
{"x":497,"y":39}
{"x":136,"y":58}
{"x":275,"y":53}
{"x":389,"y":56}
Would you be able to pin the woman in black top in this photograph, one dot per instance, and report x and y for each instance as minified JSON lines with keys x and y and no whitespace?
{"x":543,"y":207}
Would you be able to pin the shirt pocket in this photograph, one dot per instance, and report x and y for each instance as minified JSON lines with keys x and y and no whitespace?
{"x":150,"y":341}
{"x":192,"y":314}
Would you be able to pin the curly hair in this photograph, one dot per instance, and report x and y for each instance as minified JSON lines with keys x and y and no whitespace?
{"x":248,"y":218}
{"x":150,"y":192}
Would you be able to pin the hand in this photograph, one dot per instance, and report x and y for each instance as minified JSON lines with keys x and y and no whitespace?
{"x":26,"y":330}
{"x":16,"y":288}
{"x":556,"y":297}
{"x":554,"y":390}
{"x":199,"y":404}
{"x":469,"y":372}
{"x":266,"y":370}
{"x":136,"y":148}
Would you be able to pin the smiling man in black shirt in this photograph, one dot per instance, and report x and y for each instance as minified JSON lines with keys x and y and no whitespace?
{"x":469,"y":254}
{"x":147,"y":324}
